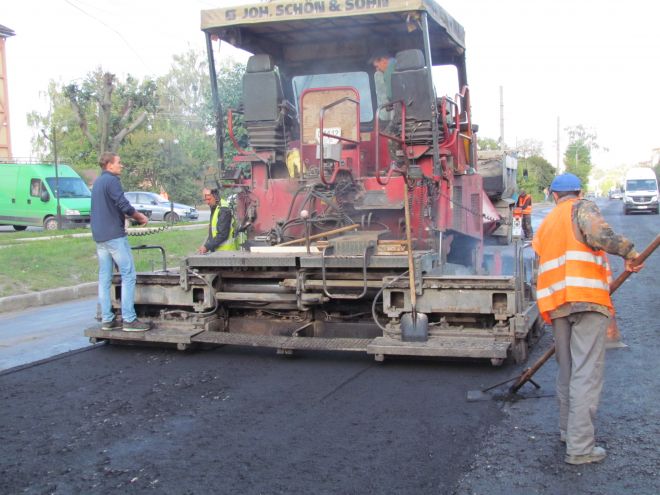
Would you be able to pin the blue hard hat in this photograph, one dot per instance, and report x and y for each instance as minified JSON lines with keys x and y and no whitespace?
{"x":566,"y":182}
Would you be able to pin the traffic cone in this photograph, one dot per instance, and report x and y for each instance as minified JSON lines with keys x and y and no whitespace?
{"x":613,"y":336}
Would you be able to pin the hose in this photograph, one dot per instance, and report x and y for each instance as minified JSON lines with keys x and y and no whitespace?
{"x":373,"y":304}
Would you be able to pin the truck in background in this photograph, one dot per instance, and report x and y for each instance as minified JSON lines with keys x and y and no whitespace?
{"x":640,"y":190}
{"x":28,"y":196}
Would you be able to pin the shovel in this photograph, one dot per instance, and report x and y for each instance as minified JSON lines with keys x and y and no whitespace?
{"x":414,"y":325}
{"x":526,"y":376}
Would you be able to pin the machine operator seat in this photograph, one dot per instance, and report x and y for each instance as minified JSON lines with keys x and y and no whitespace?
{"x":410,"y":84}
{"x":268,"y":116}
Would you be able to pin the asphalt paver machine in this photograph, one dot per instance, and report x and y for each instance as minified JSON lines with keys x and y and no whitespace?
{"x":363,"y":204}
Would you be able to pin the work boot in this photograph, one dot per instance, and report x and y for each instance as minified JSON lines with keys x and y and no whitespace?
{"x":111,"y":325}
{"x":136,"y":326}
{"x":597,"y":454}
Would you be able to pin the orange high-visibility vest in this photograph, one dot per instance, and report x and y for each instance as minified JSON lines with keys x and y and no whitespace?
{"x":569,"y":270}
{"x":525,"y":202}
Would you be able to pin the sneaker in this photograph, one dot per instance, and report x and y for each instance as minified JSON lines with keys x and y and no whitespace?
{"x":597,"y":454}
{"x":111,"y":325}
{"x":136,"y":326}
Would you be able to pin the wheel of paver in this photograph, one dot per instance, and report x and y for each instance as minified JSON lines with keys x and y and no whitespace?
{"x":171,"y":217}
{"x":50,"y":223}
{"x":519,"y":351}
{"x":19,"y":228}
{"x":93,"y":340}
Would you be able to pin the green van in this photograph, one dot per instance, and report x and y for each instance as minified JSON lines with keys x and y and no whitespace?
{"x":27,"y":196}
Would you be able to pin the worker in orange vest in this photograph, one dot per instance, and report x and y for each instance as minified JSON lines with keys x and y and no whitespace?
{"x":524,"y":203}
{"x":573,"y":294}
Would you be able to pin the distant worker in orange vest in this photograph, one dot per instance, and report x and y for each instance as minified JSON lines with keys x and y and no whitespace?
{"x":524,"y":202}
{"x":573,"y":294}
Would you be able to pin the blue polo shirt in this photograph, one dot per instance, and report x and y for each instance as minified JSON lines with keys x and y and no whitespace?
{"x":109,"y":208}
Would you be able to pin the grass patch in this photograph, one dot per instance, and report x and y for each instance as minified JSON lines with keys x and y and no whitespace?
{"x":63,"y":262}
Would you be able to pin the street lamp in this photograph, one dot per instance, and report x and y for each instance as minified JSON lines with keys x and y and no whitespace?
{"x":53,"y":140}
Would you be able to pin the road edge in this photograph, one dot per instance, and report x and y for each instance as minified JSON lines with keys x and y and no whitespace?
{"x":45,"y":297}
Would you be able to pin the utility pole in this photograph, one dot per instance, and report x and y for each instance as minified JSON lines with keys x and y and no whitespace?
{"x":558,"y":154}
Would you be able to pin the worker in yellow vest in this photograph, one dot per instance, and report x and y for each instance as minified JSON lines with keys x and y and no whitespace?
{"x":573,"y":294}
{"x":524,"y":203}
{"x":221,"y":225}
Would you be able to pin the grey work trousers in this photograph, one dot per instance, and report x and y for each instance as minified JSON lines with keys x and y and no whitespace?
{"x":580,"y":352}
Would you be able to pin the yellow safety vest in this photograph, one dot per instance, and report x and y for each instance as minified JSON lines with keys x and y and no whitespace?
{"x":231,"y":243}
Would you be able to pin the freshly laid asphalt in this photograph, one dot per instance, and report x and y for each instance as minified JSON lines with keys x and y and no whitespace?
{"x":234,"y":420}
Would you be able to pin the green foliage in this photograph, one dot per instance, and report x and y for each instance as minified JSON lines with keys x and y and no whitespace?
{"x":163,"y":128}
{"x":539,"y":175}
{"x":578,"y":161}
{"x":488,"y":143}
{"x":66,"y":261}
{"x":107,"y":110}
{"x":577,"y":156}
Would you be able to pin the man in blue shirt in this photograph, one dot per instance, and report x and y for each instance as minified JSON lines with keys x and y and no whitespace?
{"x":109,"y":210}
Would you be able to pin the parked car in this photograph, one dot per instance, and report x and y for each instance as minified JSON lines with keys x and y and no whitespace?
{"x":616,"y":194}
{"x":161,"y":208}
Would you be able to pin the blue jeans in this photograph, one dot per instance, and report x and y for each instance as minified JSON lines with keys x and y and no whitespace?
{"x":120,"y":251}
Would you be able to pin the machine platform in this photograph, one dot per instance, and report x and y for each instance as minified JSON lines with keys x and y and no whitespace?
{"x":379,"y":347}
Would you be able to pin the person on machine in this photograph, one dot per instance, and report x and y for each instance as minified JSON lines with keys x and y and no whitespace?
{"x":221,"y":225}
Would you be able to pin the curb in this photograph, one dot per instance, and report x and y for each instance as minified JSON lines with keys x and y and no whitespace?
{"x":45,"y":297}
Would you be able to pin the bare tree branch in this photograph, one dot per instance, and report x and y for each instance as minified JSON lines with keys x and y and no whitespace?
{"x":116,"y":141}
{"x":81,"y":119}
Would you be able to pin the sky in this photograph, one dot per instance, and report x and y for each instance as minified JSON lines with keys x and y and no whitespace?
{"x":584,"y":62}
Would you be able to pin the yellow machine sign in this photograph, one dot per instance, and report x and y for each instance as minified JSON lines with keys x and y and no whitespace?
{"x":293,"y":9}
{"x":215,"y":21}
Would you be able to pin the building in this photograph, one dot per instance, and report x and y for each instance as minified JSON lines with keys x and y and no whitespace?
{"x":5,"y":134}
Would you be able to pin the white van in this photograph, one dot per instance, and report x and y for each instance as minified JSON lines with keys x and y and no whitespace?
{"x":640,"y":190}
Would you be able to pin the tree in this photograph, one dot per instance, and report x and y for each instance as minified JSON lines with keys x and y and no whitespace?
{"x":528,"y":148}
{"x":162,"y":128}
{"x":535,"y":173}
{"x":107,"y":111}
{"x":577,"y":156}
{"x":486,"y":143}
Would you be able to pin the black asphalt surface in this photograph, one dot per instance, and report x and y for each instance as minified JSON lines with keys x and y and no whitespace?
{"x":237,"y":420}
{"x":522,"y":455}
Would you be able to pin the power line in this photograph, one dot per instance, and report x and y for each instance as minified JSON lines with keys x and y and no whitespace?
{"x":110,"y":28}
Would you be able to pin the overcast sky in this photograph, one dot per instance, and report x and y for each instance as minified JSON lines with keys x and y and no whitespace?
{"x":595,"y":63}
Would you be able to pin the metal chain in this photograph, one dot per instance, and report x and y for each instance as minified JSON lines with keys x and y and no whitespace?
{"x":150,"y":231}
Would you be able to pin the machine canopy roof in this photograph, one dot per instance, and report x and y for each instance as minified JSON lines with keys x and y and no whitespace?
{"x":341,"y":33}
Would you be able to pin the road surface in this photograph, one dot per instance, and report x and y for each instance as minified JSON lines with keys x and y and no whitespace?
{"x":235,"y":420}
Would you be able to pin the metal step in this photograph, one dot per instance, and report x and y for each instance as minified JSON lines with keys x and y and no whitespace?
{"x":283,"y":342}
{"x":158,"y":334}
{"x":441,"y":347}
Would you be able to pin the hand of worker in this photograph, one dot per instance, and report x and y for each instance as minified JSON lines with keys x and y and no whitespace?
{"x":202,"y":250}
{"x":630,"y":267}
{"x":140,"y":218}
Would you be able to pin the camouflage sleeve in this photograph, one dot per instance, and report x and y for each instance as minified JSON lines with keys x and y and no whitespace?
{"x":597,"y":232}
